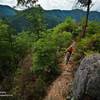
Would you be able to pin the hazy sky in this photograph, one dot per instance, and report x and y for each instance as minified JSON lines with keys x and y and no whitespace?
{"x":54,"y":4}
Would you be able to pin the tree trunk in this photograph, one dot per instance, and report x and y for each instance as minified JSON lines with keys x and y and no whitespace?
{"x":86,"y":21}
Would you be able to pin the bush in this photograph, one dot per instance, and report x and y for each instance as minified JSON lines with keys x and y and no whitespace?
{"x":93,"y":27}
{"x":87,"y":46}
{"x":23,"y":85}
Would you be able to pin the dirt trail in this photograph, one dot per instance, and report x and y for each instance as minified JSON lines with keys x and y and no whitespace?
{"x":59,"y":89}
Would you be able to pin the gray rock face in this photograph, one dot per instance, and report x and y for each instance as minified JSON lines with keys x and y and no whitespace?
{"x":87,"y":78}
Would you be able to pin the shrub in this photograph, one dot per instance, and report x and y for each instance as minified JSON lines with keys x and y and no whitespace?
{"x":87,"y":46}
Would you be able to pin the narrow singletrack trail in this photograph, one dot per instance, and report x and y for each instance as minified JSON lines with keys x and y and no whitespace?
{"x":59,"y":90}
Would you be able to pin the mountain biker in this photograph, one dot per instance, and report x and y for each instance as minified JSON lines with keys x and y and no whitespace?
{"x":69,"y":52}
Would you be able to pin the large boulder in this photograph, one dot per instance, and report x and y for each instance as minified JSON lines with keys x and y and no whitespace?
{"x":87,"y":79}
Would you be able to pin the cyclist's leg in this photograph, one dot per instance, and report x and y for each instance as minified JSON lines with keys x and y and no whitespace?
{"x":65,"y":58}
{"x":68,"y":57}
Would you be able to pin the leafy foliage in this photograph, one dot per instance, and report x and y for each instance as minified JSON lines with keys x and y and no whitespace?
{"x":87,"y":46}
{"x":7,"y":55}
{"x":37,"y":21}
{"x":23,"y":44}
{"x":23,"y":85}
{"x":94,"y":27}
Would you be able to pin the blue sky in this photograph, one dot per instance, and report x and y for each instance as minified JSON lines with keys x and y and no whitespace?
{"x":54,"y":4}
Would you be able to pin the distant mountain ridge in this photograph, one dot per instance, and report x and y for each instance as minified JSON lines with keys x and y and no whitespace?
{"x":52,"y":17}
{"x":61,"y":15}
{"x":7,"y":11}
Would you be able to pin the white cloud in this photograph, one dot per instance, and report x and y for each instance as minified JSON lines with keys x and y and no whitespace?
{"x":8,"y":2}
{"x":96,"y":5}
{"x":54,"y":4}
{"x":65,"y":4}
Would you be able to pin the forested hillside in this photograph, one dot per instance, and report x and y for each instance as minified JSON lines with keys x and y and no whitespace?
{"x":31,"y":58}
{"x":20,"y":20}
{"x":7,"y":11}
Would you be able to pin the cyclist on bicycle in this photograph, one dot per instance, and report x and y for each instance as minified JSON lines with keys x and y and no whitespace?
{"x":69,"y":52}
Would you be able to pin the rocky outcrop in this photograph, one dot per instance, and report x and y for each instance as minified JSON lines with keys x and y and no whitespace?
{"x":87,"y":79}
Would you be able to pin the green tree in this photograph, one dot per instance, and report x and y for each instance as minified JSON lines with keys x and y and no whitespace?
{"x":23,"y":45}
{"x":7,"y":55}
{"x":93,"y":27}
{"x":36,"y":17}
{"x":86,"y":4}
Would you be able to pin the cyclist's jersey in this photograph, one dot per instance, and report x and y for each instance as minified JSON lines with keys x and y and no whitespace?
{"x":70,"y":50}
